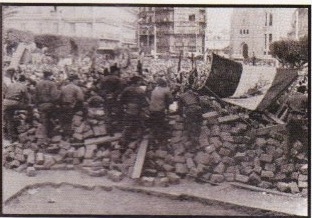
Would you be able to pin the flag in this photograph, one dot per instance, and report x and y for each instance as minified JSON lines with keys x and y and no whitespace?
{"x":250,"y":87}
{"x":224,"y":77}
{"x":259,"y":87}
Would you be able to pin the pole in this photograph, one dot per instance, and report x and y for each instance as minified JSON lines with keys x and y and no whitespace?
{"x":155,"y":45}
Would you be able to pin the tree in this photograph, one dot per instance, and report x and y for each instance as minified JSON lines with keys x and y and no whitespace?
{"x":291,"y":53}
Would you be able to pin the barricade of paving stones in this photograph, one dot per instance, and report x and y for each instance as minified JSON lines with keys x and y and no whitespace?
{"x":226,"y":153}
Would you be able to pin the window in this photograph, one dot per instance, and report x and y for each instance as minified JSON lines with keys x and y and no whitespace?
{"x":192,"y":17}
{"x":244,"y":31}
{"x":247,"y":31}
{"x":264,"y":53}
{"x":270,"y":38}
{"x":271,"y":20}
{"x":266,"y":19}
{"x":265,"y":40}
{"x":241,"y":31}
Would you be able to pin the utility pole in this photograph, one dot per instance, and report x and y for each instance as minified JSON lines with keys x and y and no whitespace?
{"x":155,"y":37}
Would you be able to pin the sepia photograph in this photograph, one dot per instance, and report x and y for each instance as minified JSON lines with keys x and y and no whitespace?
{"x":155,"y":109}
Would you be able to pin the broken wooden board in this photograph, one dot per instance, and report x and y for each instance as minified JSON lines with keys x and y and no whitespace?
{"x":228,"y":118}
{"x":258,"y":189}
{"x":274,"y":118}
{"x":104,"y":139}
{"x":138,"y":166}
{"x":267,"y":130}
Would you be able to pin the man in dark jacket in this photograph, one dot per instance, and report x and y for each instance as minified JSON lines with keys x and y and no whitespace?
{"x":134,"y":102}
{"x":46,"y":97}
{"x":189,"y":107}
{"x":16,"y":97}
{"x":161,"y":98}
{"x":71,"y":101}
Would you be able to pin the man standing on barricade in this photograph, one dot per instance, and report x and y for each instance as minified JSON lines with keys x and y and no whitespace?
{"x":189,"y":107}
{"x":134,"y":101}
{"x":111,"y":87}
{"x":71,"y":101}
{"x":46,"y":97}
{"x":16,"y":97}
{"x":161,"y":98}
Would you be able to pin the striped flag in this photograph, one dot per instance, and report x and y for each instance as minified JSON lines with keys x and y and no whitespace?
{"x":250,"y":87}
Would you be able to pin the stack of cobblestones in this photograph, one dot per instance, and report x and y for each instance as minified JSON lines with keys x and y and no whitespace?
{"x":227,"y":152}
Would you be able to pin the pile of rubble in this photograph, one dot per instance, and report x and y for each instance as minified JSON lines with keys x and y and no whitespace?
{"x":229,"y":151}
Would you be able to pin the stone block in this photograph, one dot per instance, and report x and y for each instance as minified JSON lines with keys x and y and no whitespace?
{"x":168,"y":167}
{"x":246,"y":170}
{"x":228,"y":160}
{"x":215,"y":141}
{"x":58,"y":158}
{"x":282,"y":186}
{"x":179,"y":159}
{"x":21,"y":168}
{"x":193,"y":172}
{"x":190,"y":163}
{"x":162,"y":182}
{"x":270,"y":167}
{"x":240,"y":157}
{"x":280,"y":177}
{"x":150,"y":172}
{"x":31,"y":158}
{"x":14,"y":164}
{"x":293,"y":187}
{"x":303,"y":178}
{"x":219,"y":169}
{"x":106,"y":162}
{"x":304,"y":169}
{"x":229,"y":177}
{"x":80,"y":152}
{"x":115,"y":175}
{"x":227,"y":137}
{"x":147,"y":181}
{"x":78,"y":136}
{"x":302,"y":184}
{"x":202,"y":158}
{"x":266,"y":158}
{"x":231,"y":169}
{"x":267,"y":174}
{"x":31,"y":171}
{"x":209,"y":149}
{"x":210,"y":115}
{"x":181,"y":168}
{"x":224,"y":152}
{"x":48,"y":161}
{"x":88,"y":134}
{"x":215,"y":158}
{"x":265,"y":184}
{"x":20,"y":157}
{"x":56,"y":139}
{"x":254,"y":178}
{"x":76,"y":161}
{"x":216,"y":178}
{"x":304,"y":192}
{"x":287,"y":168}
{"x":161,"y":154}
{"x":241,"y":178}
{"x":260,"y":142}
{"x":115,"y":155}
{"x":215,"y":130}
{"x":173,"y":178}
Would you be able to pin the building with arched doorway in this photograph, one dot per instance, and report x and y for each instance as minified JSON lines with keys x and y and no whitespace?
{"x":254,"y":29}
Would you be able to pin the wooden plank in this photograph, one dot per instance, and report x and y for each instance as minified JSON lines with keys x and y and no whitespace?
{"x":104,"y":139}
{"x":258,"y":189}
{"x":268,"y":129}
{"x":138,"y":166}
{"x":271,"y":116}
{"x":228,"y":118}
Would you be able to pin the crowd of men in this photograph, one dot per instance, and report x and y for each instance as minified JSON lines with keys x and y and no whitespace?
{"x":134,"y":105}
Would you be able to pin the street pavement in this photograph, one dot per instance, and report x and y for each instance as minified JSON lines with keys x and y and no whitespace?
{"x":15,"y":183}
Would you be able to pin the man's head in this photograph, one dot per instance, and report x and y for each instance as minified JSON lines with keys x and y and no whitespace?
{"x":161,"y":82}
{"x":22,"y":78}
{"x":135,"y":80}
{"x":73,"y":77}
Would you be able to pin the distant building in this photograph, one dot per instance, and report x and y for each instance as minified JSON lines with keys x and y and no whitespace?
{"x":254,"y":29}
{"x":87,"y":21}
{"x":174,"y":28}
{"x":300,"y":23}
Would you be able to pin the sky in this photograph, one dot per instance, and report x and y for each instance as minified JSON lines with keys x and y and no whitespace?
{"x":218,"y":18}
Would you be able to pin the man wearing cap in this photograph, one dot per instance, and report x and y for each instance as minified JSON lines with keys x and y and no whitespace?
{"x":134,"y":102}
{"x":161,"y":98}
{"x":71,"y":101}
{"x":189,"y":107}
{"x":16,"y":97}
{"x":46,"y":98}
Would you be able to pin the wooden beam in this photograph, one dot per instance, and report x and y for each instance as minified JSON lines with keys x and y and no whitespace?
{"x":268,"y":129}
{"x":104,"y":139}
{"x":274,"y":118}
{"x":138,"y":166}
